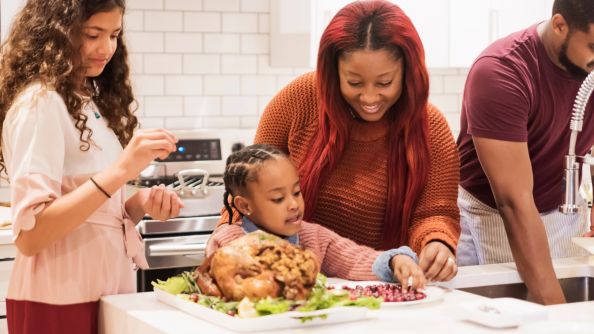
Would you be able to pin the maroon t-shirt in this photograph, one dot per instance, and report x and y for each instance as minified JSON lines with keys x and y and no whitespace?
{"x":514,"y":92}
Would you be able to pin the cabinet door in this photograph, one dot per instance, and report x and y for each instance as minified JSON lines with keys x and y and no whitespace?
{"x":508,"y":16}
{"x":431,"y":20}
{"x":469,"y":30}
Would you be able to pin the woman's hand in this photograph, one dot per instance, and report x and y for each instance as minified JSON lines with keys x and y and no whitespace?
{"x":161,"y":203}
{"x":144,"y":147}
{"x":406,"y":271}
{"x":438,"y":262}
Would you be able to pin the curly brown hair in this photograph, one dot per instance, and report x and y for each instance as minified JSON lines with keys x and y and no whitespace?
{"x":44,"y":46}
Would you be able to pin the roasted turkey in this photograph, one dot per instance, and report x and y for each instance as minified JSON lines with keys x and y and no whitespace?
{"x":259,"y":265}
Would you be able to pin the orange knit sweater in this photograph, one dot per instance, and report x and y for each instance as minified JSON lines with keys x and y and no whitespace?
{"x":352,"y":200}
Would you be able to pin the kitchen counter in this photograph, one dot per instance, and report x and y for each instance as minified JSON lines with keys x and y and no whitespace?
{"x":143,"y":313}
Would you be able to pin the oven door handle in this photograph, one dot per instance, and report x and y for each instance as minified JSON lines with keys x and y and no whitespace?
{"x":176,"y":249}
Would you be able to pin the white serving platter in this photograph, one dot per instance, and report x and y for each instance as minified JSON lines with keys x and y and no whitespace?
{"x":264,"y":323}
{"x":433,"y":293}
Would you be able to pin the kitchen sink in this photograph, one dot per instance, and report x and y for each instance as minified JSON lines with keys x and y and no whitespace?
{"x":576,"y":289}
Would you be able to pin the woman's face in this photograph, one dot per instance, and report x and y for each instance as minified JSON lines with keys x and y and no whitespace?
{"x":100,"y":40}
{"x":370,"y":81}
{"x":274,"y":201}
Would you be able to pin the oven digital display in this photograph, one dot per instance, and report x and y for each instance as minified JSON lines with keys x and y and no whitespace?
{"x":196,"y":150}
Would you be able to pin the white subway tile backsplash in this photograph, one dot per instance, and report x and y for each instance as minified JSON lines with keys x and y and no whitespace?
{"x":135,"y":61}
{"x":454,"y":84}
{"x":283,"y":80}
{"x":436,"y":84}
{"x":162,"y":64}
{"x":134,"y":20}
{"x":183,"y":85}
{"x":249,"y":122}
{"x":263,"y":102}
{"x":144,"y":4}
{"x":183,"y":123}
{"x":242,"y":23}
{"x":446,"y":103}
{"x":302,"y":70}
{"x":444,"y":71}
{"x":202,"y":64}
{"x":205,"y":64}
{"x":222,"y":85}
{"x":163,"y":106}
{"x":262,"y":6}
{"x":138,"y":105}
{"x":151,"y":122}
{"x":146,"y":85}
{"x":162,"y":21}
{"x":258,"y":44}
{"x":183,"y":5}
{"x":202,"y":22}
{"x":220,"y":122}
{"x":265,"y":68}
{"x":239,"y":64}
{"x":202,"y":106}
{"x":221,"y":5}
{"x":258,"y":85}
{"x":263,"y":23}
{"x":144,"y":42}
{"x":183,"y":42}
{"x":221,"y":43}
{"x":240,"y":106}
{"x":453,"y":121}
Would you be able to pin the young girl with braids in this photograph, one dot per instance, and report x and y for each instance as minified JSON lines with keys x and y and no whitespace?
{"x":262,"y":184}
{"x":65,"y":115}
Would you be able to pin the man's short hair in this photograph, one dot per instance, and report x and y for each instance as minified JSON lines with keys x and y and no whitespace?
{"x":578,"y":14}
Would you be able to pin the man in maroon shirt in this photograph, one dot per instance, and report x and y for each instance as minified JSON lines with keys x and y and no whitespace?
{"x":514,"y":136}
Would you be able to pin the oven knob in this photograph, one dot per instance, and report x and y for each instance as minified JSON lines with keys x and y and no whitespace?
{"x":236,"y":147}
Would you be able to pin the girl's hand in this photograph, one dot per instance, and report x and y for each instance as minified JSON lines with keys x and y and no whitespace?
{"x":144,"y":147}
{"x":161,"y":203}
{"x":438,"y":262}
{"x":407,"y":272}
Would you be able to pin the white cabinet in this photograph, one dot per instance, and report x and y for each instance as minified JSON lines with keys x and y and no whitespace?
{"x":453,"y":32}
{"x":431,"y":19}
{"x":476,"y":24}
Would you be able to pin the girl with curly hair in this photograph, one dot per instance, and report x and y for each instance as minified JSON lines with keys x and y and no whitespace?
{"x":65,"y":116}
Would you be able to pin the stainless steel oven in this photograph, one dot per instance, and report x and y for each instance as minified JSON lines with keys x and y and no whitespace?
{"x":195,"y":173}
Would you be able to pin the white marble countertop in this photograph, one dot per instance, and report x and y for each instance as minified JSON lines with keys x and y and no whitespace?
{"x":143,"y":313}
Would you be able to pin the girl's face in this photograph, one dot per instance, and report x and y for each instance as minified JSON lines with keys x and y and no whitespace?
{"x":100,"y":40}
{"x":274,"y":201}
{"x":370,"y":81}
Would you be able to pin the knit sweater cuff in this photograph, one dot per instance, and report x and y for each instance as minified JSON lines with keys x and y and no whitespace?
{"x":381,"y":266}
{"x":444,"y":231}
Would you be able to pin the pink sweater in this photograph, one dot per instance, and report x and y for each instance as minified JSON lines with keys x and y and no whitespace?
{"x":340,"y":257}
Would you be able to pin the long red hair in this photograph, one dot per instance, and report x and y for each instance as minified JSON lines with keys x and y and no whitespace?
{"x":373,"y":25}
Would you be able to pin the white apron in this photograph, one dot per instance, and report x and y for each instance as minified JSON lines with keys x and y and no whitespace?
{"x":483,"y":239}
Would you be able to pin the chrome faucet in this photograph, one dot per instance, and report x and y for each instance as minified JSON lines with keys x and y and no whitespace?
{"x":572,"y":162}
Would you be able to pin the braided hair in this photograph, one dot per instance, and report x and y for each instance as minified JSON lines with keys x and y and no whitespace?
{"x":243,"y":166}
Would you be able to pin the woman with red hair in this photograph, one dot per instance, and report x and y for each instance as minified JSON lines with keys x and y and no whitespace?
{"x":378,"y":163}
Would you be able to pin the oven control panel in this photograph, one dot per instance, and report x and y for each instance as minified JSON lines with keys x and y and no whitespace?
{"x":196,"y":150}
